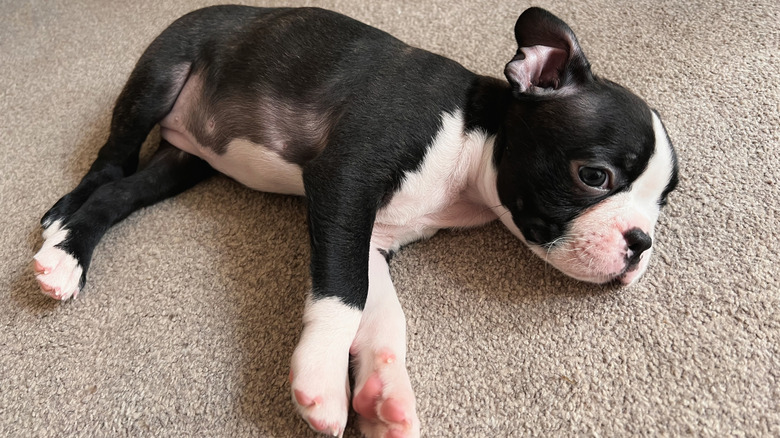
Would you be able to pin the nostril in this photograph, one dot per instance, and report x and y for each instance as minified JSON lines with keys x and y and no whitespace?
{"x":638,"y":242}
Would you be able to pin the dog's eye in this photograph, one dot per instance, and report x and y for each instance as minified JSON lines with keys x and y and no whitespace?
{"x":594,"y":177}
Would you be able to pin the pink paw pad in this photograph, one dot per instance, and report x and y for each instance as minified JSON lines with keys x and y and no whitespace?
{"x":369,"y":405}
{"x":385,"y":401}
{"x":393,"y":411}
{"x":40,"y":269}
{"x":364,"y":402}
{"x":305,"y":400}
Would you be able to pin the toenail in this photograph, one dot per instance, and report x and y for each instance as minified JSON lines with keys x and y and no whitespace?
{"x":386,"y":356}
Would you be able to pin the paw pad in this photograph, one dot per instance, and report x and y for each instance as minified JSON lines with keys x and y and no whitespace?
{"x":385,"y":401}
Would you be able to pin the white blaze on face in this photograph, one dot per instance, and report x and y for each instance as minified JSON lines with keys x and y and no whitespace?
{"x":646,"y":191}
{"x":594,"y":248}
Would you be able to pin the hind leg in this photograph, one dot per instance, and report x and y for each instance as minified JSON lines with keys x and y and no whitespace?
{"x":147,"y":97}
{"x":62,"y":262}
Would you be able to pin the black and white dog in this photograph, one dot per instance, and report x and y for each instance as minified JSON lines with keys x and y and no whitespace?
{"x":389,"y":144}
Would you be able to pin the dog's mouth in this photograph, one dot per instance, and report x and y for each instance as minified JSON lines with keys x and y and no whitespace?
{"x":623,"y":278}
{"x":630,"y":274}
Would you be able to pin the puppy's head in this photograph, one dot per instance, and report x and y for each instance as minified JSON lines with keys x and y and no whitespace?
{"x":584,"y":166}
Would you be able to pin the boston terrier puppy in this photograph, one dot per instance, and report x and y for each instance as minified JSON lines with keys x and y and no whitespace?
{"x":388,"y":144}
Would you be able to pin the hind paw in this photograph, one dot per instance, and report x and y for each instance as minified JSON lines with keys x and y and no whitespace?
{"x":58,"y":273}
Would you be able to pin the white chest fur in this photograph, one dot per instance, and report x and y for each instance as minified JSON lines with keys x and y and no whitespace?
{"x":442,"y":192}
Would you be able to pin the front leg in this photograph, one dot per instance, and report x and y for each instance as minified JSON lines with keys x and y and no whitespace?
{"x":383,"y":392}
{"x":340,"y":222}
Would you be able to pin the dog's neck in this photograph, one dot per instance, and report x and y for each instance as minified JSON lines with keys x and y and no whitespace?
{"x":487,"y":104}
{"x":486,"y":108}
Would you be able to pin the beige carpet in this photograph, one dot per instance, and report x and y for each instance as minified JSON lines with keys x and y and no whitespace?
{"x":193,"y":306}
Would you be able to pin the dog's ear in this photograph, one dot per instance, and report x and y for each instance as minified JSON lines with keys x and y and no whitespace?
{"x":548,"y":59}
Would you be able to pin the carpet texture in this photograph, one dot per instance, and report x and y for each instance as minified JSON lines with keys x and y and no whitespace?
{"x":193,"y":306}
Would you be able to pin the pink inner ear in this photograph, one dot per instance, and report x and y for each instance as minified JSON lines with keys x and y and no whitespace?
{"x":542,"y":67}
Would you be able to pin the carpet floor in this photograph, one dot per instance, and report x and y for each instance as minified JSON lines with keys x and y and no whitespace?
{"x":193,"y":306}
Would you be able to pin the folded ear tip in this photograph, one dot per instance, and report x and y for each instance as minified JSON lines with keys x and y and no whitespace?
{"x":536,"y":24}
{"x":536,"y":14}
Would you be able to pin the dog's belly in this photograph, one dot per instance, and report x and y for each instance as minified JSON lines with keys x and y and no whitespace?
{"x":430,"y":198}
{"x":250,"y":164}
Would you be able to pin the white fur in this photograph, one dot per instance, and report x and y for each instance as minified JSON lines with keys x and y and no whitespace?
{"x":57,"y":272}
{"x":256,"y":167}
{"x":441,"y":193}
{"x":251,"y":164}
{"x":382,"y":324}
{"x":50,"y":228}
{"x":647,"y":189}
{"x":321,"y":361}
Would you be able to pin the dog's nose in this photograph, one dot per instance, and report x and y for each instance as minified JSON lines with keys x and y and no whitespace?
{"x":638,"y":242}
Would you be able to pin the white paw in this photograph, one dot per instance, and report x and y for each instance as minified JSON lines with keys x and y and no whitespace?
{"x":57,"y":272}
{"x":384,"y":399}
{"x":320,"y":365}
{"x":321,"y":398}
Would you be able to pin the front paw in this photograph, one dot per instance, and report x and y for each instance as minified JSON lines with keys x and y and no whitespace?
{"x":384,"y":399}
{"x":319,"y":375}
{"x":59,"y":273}
{"x":321,"y":397}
